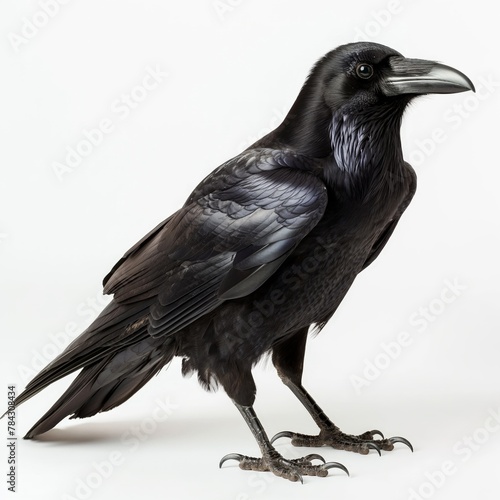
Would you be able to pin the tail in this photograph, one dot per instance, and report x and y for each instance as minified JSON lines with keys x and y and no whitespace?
{"x":118,"y":357}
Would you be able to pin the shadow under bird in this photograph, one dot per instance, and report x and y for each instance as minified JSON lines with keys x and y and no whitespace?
{"x":262,"y":252}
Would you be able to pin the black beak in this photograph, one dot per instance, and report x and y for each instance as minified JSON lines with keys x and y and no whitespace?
{"x":416,"y":76}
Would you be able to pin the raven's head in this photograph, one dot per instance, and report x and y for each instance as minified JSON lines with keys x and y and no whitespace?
{"x":366,"y":81}
{"x":365,"y":74}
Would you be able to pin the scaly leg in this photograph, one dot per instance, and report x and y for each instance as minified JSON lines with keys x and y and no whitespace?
{"x":243,"y":395}
{"x":288,"y":359}
{"x":292,"y":469}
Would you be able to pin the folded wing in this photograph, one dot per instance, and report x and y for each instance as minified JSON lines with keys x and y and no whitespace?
{"x":232,"y":234}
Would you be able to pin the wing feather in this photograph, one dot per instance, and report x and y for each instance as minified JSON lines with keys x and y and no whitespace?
{"x":232,"y":234}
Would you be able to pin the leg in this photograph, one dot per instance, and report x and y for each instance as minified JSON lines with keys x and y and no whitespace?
{"x":288,"y":359}
{"x":271,"y":460}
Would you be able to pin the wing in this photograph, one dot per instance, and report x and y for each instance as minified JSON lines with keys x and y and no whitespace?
{"x":138,"y":246}
{"x":233,"y":233}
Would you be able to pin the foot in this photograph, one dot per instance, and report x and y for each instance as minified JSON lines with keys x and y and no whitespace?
{"x":334,"y":437}
{"x":289,"y":469}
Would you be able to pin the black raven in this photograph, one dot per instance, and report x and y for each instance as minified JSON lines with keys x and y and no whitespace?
{"x":264,"y":249}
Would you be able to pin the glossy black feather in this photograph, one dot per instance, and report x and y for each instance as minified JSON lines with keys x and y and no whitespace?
{"x":227,"y":240}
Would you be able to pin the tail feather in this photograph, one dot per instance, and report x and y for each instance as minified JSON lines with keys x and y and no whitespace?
{"x":113,"y":395}
{"x":127,"y":388}
{"x":80,"y":390}
{"x":118,"y":357}
{"x":101,"y":386}
{"x":111,"y":331}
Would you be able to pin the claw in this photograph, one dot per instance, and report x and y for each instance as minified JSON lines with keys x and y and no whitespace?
{"x":335,"y":465}
{"x":281,"y":434}
{"x":373,"y":446}
{"x":399,"y":439}
{"x":231,"y":456}
{"x":313,"y":456}
{"x":376,"y":431}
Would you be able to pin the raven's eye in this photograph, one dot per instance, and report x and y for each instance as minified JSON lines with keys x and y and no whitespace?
{"x":364,"y":71}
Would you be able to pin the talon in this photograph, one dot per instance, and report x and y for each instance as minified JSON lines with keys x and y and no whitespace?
{"x":281,"y":434}
{"x":376,"y":431}
{"x":373,"y":446}
{"x":335,"y":465}
{"x":314,"y":456}
{"x":399,"y":439}
{"x":231,"y":456}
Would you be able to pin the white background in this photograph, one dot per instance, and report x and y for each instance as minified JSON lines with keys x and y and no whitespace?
{"x":228,"y":71}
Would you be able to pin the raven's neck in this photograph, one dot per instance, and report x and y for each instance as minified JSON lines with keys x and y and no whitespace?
{"x":305,"y":128}
{"x":367,"y":139}
{"x":311,"y":129}
{"x":358,"y":147}
{"x":366,"y":153}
